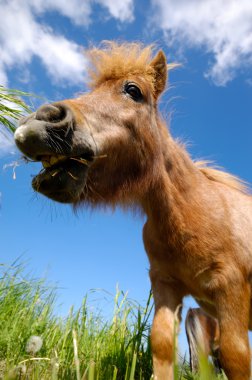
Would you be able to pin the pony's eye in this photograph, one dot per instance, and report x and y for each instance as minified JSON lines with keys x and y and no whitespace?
{"x":133,"y":91}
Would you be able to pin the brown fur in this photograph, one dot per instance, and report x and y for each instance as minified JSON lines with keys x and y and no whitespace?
{"x":198,"y":220}
{"x":222,"y":177}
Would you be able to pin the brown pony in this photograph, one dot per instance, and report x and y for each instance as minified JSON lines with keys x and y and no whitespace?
{"x":111,"y":147}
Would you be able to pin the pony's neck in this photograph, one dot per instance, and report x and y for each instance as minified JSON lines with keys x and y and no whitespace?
{"x":174,"y":191}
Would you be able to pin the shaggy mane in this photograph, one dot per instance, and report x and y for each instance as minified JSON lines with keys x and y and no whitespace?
{"x":223,"y":177}
{"x":114,"y":61}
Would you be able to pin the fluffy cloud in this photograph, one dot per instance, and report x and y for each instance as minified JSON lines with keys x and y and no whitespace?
{"x":77,"y":10}
{"x":223,"y":28}
{"x":23,"y":36}
{"x":7,"y":145}
{"x":121,"y":10}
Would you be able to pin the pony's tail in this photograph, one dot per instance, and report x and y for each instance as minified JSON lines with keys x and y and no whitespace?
{"x":195,"y":338}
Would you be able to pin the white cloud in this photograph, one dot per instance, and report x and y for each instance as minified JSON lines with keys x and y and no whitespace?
{"x":23,"y":36}
{"x":26,"y":38}
{"x":221,"y":27}
{"x":78,"y":11}
{"x":121,"y":10}
{"x":63,"y":59}
{"x":7,"y":145}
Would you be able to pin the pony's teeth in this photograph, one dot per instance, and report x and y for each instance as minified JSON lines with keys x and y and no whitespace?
{"x":54,"y":160}
{"x":49,"y":161}
{"x":46,"y":164}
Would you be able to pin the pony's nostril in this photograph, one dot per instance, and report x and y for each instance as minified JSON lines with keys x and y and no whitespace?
{"x":51,"y":112}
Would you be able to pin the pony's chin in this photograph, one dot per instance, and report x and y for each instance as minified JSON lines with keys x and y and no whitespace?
{"x":63,"y":183}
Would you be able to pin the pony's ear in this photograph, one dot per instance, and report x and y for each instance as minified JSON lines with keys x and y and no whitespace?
{"x":160,"y":67}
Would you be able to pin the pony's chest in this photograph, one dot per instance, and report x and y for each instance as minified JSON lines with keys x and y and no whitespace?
{"x":169,"y":263}
{"x":179,"y":265}
{"x":170,"y":254}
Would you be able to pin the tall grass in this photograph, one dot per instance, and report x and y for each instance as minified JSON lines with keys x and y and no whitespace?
{"x":35,"y":344}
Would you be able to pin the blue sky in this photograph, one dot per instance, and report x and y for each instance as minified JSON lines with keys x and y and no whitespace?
{"x":208,"y":103}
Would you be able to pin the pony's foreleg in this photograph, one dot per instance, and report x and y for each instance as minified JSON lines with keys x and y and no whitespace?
{"x":232,"y":307}
{"x":163,"y":334}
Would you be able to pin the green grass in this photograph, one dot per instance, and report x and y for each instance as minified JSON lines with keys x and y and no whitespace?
{"x":12,"y":107}
{"x":82,"y":346}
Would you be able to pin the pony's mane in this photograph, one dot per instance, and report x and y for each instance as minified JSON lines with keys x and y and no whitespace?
{"x":113,"y":61}
{"x":217,"y":175}
{"x":117,"y":60}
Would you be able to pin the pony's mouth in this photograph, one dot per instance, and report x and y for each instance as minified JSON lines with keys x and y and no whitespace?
{"x":62,"y":177}
{"x":52,"y":136}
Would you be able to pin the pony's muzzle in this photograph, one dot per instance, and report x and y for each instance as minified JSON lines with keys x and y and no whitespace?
{"x":50,"y":122}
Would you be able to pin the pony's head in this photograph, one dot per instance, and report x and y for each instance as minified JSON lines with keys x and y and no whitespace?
{"x":104,"y":146}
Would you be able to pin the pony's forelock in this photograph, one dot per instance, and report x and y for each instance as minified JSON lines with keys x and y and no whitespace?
{"x":114,"y":60}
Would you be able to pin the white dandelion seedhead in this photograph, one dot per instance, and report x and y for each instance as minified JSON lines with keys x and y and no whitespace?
{"x":34,"y":344}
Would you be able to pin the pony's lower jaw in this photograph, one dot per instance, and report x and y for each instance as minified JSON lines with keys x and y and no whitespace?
{"x":63,"y":182}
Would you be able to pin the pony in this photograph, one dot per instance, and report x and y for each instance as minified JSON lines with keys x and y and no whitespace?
{"x":110,"y":147}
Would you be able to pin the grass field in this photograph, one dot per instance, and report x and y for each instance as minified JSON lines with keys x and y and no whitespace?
{"x":36,"y":344}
